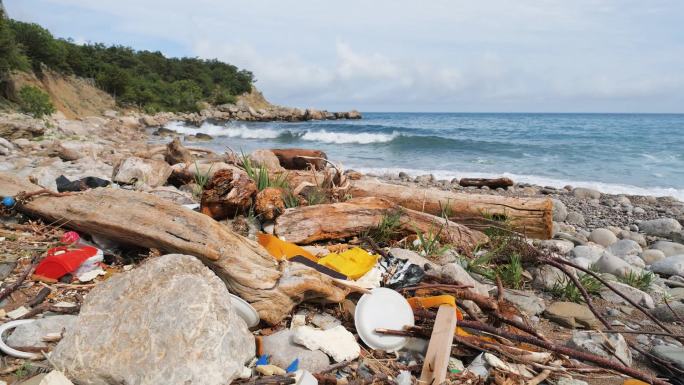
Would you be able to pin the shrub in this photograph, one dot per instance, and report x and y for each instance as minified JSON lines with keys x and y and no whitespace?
{"x":35,"y":102}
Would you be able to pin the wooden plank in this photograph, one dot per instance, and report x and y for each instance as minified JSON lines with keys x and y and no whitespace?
{"x":439,"y":350}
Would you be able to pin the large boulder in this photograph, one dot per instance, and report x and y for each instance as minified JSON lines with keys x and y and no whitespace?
{"x":673,"y":265}
{"x":560,"y":211}
{"x":169,"y":321}
{"x":586,"y":193}
{"x":669,"y":248}
{"x":624,"y":247}
{"x":267,"y":159}
{"x":603,"y":237}
{"x":661,"y":227}
{"x":139,"y":171}
{"x":611,"y":264}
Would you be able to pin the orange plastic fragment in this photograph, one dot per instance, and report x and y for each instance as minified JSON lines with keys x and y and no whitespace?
{"x":436,"y":301}
{"x":280,"y":249}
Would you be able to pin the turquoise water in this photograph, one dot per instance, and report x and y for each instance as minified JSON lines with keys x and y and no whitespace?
{"x":616,"y":153}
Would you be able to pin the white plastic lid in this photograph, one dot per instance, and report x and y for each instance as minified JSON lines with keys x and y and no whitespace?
{"x":382,"y":309}
{"x":245,"y":310}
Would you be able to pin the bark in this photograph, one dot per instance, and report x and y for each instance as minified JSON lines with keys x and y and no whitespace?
{"x":229,"y":192}
{"x":144,"y":220}
{"x":532,"y":217}
{"x":491,"y":183}
{"x":300,"y":159}
{"x":341,"y":220}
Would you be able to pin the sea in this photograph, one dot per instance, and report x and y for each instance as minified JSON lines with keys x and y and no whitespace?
{"x":635,"y":154}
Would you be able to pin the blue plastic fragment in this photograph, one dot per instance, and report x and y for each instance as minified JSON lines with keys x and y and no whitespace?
{"x":293,"y":367}
{"x":263,"y":360}
{"x":8,"y":201}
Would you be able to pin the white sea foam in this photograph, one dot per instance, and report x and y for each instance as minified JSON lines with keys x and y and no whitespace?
{"x":348,"y":137}
{"x":608,"y":188}
{"x":231,"y":131}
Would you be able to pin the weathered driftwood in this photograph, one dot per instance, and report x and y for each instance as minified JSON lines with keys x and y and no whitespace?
{"x":300,"y":158}
{"x":492,"y":183}
{"x":145,"y":220}
{"x":530,"y":216}
{"x":341,"y":220}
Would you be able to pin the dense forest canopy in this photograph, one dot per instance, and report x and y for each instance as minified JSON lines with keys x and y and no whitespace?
{"x":143,"y":79}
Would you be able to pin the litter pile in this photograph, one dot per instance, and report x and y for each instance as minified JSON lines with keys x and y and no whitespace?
{"x":247,"y":272}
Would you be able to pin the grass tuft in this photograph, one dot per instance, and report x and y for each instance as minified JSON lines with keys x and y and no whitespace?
{"x":565,"y":289}
{"x":641,"y":281}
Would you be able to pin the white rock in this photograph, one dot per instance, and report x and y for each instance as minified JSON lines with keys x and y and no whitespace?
{"x":603,"y":237}
{"x":624,"y":247}
{"x":169,"y":321}
{"x":586,"y":193}
{"x":31,"y":334}
{"x":140,"y":171}
{"x":457,"y":274}
{"x":596,"y":342}
{"x":634,"y":260}
{"x":591,"y":252}
{"x":337,"y":342}
{"x":55,"y":377}
{"x":636,"y":295}
{"x":560,"y":246}
{"x":652,"y":256}
{"x":669,"y":248}
{"x":660,"y":227}
{"x":611,"y":264}
{"x":560,"y":212}
{"x":673,"y":265}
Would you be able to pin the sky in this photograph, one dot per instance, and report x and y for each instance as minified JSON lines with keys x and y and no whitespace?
{"x":401,"y":55}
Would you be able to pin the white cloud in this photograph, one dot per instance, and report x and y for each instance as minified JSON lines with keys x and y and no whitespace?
{"x":526,"y":55}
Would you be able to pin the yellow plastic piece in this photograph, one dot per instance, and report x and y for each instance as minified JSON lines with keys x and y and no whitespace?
{"x":353,"y":263}
{"x":632,"y":381}
{"x":280,"y":249}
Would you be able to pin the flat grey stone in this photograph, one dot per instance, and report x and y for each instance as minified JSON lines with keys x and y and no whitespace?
{"x":670,"y":353}
{"x":595,"y":343}
{"x":283,"y":351}
{"x":31,"y":334}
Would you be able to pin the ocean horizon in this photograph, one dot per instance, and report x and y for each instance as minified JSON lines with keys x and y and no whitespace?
{"x":618,"y":153}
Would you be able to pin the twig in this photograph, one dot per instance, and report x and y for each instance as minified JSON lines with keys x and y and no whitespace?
{"x":674,"y":312}
{"x":616,"y":291}
{"x":40,"y":297}
{"x":9,"y":290}
{"x":332,"y":367}
{"x":564,"y":350}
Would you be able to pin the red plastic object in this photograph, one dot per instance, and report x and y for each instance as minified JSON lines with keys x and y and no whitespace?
{"x":61,"y":261}
{"x":70,"y":237}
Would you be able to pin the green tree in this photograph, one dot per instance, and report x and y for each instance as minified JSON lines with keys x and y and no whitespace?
{"x":10,"y":54}
{"x":35,"y":102}
{"x":40,"y":46}
{"x":184,"y":96}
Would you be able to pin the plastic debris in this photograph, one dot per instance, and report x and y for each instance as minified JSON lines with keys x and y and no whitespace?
{"x":11,"y":351}
{"x":293,"y":367}
{"x":18,"y":312}
{"x":263,"y":360}
{"x":353,"y":263}
{"x":270,"y":370}
{"x":70,"y":238}
{"x":304,"y":377}
{"x":64,"y":184}
{"x":280,"y":249}
{"x":336,"y":342}
{"x":61,"y":261}
{"x":55,"y":377}
{"x":372,"y":313}
{"x":404,"y":378}
{"x":8,"y":202}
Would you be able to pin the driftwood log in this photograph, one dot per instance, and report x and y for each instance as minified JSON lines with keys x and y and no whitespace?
{"x":300,"y":158}
{"x":530,"y":216}
{"x":308,"y":224}
{"x":482,"y":182}
{"x":145,"y":220}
